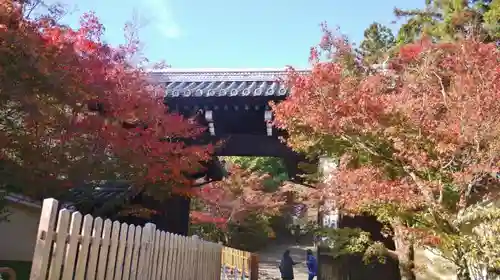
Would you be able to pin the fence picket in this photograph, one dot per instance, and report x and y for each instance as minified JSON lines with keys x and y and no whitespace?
{"x":189,"y":268}
{"x":218,"y":257}
{"x":143,"y":253}
{"x":135,"y":253}
{"x":198,"y":256}
{"x":113,"y":249}
{"x":167,"y":267}
{"x":199,"y":260}
{"x":155,"y":256}
{"x":60,"y":245}
{"x":74,"y":233}
{"x":97,"y":250}
{"x":207,"y":250}
{"x":211,"y":256}
{"x":182,"y":258}
{"x":103,"y":256}
{"x":204,"y":260}
{"x":45,"y":235}
{"x":174,"y":264}
{"x":128,"y":252}
{"x":161,"y":256}
{"x":151,"y":252}
{"x":194,"y":259}
{"x":217,"y":253}
{"x":81,"y":263}
{"x":94,"y":249}
{"x":121,"y":252}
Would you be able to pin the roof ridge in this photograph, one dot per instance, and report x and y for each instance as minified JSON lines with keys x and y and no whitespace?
{"x":224,"y":70}
{"x":220,"y":74}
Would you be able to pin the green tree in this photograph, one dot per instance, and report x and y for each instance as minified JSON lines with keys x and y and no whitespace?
{"x":378,"y":40}
{"x":449,"y":20}
{"x":265,"y":165}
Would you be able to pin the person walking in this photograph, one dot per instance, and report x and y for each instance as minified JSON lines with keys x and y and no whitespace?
{"x":286,"y":266}
{"x":312,"y":265}
{"x":297,"y":233}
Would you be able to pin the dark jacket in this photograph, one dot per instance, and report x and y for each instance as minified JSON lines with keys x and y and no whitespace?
{"x":286,"y":266}
{"x":312,"y":265}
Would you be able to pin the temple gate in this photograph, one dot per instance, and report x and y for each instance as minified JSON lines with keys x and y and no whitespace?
{"x":234,"y":106}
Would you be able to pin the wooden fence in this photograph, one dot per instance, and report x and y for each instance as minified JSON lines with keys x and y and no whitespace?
{"x":72,"y":247}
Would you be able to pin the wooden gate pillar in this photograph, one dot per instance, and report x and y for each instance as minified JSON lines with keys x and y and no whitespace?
{"x":254,"y":267}
{"x":328,"y":216}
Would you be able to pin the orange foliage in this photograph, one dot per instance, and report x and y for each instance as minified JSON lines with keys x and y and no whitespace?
{"x":74,"y":109}
{"x":433,"y":111}
{"x":237,"y":196}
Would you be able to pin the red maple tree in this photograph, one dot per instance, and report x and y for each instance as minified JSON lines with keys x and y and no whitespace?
{"x":75,"y":109}
{"x":240,"y":194}
{"x":422,"y":128}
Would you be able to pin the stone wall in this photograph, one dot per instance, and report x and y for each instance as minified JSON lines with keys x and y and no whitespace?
{"x":18,"y":235}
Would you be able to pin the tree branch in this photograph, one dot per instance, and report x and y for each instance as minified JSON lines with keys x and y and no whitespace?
{"x":426,"y":192}
{"x":443,"y":91}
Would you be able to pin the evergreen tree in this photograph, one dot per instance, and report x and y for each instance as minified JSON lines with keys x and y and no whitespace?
{"x":451,"y":19}
{"x":378,"y":40}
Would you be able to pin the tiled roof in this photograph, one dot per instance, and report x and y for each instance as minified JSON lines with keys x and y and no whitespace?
{"x":90,"y":195}
{"x":221,"y":82}
{"x":98,"y":196}
{"x":101,"y":190}
{"x":228,"y":88}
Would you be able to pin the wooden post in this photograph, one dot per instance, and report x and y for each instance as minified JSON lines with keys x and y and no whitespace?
{"x":220,"y":261}
{"x":44,"y":238}
{"x":254,"y":267}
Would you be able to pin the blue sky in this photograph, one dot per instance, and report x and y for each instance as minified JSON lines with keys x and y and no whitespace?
{"x":235,"y":34}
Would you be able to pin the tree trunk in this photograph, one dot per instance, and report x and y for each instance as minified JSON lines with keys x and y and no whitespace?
{"x":405,"y":253}
{"x":406,"y":262}
{"x":174,"y":214}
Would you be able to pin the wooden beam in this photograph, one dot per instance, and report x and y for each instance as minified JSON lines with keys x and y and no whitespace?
{"x":252,"y":145}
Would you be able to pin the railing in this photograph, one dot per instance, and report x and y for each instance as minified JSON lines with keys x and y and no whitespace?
{"x":70,"y":246}
{"x":237,"y":264}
